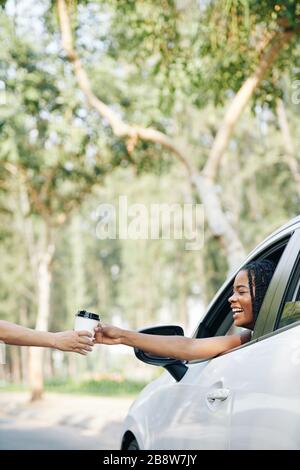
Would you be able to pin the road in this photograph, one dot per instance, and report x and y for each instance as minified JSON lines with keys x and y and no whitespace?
{"x":62,"y":422}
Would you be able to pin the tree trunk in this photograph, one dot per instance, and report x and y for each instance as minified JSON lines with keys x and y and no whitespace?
{"x":290,"y":152}
{"x":2,"y":366}
{"x":24,"y":351}
{"x":217,"y":220}
{"x":43,"y":287}
{"x":182,"y":303}
{"x":47,"y":369}
{"x":72,"y":367}
{"x":15,"y":364}
{"x":78,"y":262}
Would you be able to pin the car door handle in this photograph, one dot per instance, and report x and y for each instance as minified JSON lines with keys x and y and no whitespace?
{"x":220,"y":394}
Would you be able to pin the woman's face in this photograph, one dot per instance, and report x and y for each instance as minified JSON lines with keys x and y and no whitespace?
{"x":240,"y":301}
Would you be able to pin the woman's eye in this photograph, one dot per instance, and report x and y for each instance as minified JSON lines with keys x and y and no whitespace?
{"x":238,"y":292}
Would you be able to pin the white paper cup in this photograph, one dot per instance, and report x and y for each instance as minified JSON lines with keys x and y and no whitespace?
{"x":86,"y":321}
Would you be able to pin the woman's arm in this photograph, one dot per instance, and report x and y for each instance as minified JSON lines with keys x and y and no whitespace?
{"x":177,"y":347}
{"x":75,"y":341}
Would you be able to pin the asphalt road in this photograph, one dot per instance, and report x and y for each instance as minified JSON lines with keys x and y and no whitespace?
{"x":28,"y":436}
{"x":61,"y":422}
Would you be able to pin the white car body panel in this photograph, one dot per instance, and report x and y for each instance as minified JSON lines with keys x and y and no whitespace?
{"x":262,"y":410}
{"x":266,"y":404}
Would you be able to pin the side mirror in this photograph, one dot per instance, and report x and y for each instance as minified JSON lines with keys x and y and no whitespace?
{"x":175,"y":367}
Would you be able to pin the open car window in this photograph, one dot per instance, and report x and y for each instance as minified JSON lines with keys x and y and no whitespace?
{"x":219,"y":321}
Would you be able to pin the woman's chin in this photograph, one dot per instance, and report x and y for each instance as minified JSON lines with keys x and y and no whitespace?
{"x":238,"y":322}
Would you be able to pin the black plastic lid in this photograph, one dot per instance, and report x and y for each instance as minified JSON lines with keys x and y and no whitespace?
{"x":90,"y":315}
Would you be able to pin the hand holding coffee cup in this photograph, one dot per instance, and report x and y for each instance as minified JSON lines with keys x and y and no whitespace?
{"x":86,"y":321}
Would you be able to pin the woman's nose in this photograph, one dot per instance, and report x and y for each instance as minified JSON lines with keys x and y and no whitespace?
{"x":232,"y":298}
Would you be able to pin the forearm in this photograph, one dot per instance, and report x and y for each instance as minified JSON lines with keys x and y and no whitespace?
{"x":180,"y":347}
{"x":210,"y":347}
{"x":21,"y":336}
{"x":166,"y":346}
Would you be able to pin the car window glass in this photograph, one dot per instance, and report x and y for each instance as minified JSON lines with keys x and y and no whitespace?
{"x":290,"y":312}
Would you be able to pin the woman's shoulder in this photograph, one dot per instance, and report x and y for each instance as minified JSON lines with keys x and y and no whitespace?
{"x":244,"y":334}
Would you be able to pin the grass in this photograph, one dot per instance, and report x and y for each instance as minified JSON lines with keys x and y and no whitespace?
{"x":104,"y":387}
{"x":12,"y":387}
{"x":97,"y":387}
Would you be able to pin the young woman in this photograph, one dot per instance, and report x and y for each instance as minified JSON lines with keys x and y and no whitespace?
{"x":72,"y":341}
{"x":249,"y":288}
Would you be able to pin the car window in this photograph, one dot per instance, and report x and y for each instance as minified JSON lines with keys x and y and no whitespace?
{"x":290,"y":309}
{"x":218,"y":321}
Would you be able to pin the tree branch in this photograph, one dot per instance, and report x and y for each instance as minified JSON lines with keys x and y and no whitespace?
{"x":119,"y":127}
{"x":288,"y":144}
{"x":241,"y":100}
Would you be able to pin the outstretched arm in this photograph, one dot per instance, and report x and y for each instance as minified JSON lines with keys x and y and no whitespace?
{"x":75,"y":341}
{"x":177,"y":347}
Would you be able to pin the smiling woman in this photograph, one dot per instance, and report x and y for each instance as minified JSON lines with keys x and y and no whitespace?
{"x":249,"y":289}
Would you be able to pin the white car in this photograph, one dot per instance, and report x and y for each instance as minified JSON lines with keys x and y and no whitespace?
{"x":247,"y":398}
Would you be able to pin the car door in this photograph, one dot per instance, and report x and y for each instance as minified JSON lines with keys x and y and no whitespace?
{"x":265,"y":387}
{"x":184,"y":418}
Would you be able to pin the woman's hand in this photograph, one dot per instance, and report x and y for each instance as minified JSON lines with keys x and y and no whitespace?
{"x":74,"y":341}
{"x":108,"y":334}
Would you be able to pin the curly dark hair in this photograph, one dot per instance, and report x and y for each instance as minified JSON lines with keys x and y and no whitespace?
{"x":260,"y":273}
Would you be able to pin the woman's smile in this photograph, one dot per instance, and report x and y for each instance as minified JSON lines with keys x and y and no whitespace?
{"x":240,"y":301}
{"x":236,"y":312}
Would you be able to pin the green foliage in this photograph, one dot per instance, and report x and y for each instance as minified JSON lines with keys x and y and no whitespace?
{"x":106,"y":387}
{"x":103,"y":387}
{"x":171,"y":65}
{"x":204,"y":52}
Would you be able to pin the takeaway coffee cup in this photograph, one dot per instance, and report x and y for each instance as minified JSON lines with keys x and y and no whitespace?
{"x":86,"y":321}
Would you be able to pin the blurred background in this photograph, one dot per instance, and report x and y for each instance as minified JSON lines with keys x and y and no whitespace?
{"x":164,"y":102}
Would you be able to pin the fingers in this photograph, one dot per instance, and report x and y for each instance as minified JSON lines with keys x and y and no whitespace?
{"x":85,"y":333}
{"x":99,"y":328}
{"x":81,"y":351}
{"x":83,"y":340}
{"x":101,"y":325}
{"x":98,"y":336}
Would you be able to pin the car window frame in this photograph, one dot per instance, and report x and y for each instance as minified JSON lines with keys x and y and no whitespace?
{"x":262,"y":324}
{"x":291,"y":283}
{"x":286,"y":269}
